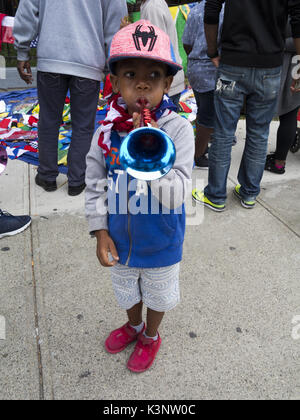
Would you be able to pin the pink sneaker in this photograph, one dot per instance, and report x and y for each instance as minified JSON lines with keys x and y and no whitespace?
{"x":144,"y":354}
{"x":119,"y":339}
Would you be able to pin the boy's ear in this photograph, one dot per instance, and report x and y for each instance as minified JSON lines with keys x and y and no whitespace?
{"x":115,"y":83}
{"x":168,"y":82}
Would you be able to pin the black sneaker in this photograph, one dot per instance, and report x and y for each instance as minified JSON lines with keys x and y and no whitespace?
{"x":11,"y":225}
{"x":296,"y":143}
{"x":271,"y":165}
{"x":47,"y":185}
{"x":202,"y":162}
{"x":76,"y":190}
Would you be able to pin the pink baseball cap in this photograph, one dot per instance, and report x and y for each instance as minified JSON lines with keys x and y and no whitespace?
{"x":142,"y":40}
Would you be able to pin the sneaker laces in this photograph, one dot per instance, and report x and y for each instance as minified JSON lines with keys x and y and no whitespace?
{"x":4,"y":213}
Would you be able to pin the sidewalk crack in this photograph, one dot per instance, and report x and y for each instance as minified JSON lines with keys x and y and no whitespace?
{"x":36,"y":315}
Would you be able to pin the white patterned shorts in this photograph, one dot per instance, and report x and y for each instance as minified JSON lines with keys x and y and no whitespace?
{"x":158,"y":288}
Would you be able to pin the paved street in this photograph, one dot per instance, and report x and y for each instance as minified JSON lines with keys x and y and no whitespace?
{"x":231,"y":337}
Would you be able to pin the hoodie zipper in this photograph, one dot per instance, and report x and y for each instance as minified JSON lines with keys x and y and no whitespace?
{"x":128,"y":214}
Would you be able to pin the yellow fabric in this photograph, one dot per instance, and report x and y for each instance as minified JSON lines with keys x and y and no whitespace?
{"x":185,"y":10}
{"x":63,"y":161}
{"x":174,"y":11}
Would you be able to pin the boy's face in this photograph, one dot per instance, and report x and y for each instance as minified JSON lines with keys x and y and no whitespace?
{"x":141,"y":79}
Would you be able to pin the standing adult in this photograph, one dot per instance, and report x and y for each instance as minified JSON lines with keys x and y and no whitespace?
{"x":158,"y":13}
{"x":249,"y":68}
{"x":288,"y":106}
{"x":201,"y":74}
{"x":73,"y":41}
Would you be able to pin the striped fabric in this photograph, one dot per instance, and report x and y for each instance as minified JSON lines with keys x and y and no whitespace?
{"x":7,"y":32}
{"x":158,"y":288}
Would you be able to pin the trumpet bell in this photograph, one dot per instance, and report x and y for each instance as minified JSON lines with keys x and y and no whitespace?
{"x":3,"y":159}
{"x":147,"y":153}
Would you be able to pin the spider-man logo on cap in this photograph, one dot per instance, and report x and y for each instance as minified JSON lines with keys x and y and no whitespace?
{"x":144,"y":36}
{"x":143,"y":40}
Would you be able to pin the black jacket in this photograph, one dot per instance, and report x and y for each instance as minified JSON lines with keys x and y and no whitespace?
{"x":254,"y":30}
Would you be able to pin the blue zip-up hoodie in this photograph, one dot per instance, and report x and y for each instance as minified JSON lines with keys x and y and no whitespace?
{"x":147,"y":226}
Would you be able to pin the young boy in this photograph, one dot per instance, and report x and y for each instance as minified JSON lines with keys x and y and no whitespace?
{"x":144,"y":228}
{"x":158,"y":13}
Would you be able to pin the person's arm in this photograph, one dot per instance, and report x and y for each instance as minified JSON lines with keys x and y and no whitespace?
{"x":211,"y":26}
{"x":113,"y":13}
{"x":96,"y":207}
{"x":25,"y":30}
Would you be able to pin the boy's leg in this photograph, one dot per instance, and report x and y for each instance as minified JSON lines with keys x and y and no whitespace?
{"x":160,"y":291}
{"x":135,"y":314}
{"x":52,"y":91}
{"x":84,"y":95}
{"x":154,"y":319}
{"x":125,"y":282}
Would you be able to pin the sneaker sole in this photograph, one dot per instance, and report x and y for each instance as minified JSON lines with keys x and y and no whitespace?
{"x":247,"y":206}
{"x":274,"y":171}
{"x":74,"y":194}
{"x":149,"y":366}
{"x":47,"y":189}
{"x":15,"y":232}
{"x":243,"y":204}
{"x":209,"y":206}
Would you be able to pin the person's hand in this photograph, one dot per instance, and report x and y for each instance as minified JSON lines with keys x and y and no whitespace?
{"x":216,"y":61}
{"x":24,"y":70}
{"x":105,"y":244}
{"x":136,"y":118}
{"x":295,"y":87}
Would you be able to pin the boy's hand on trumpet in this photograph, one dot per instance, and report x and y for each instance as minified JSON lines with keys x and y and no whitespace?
{"x":136,"y":118}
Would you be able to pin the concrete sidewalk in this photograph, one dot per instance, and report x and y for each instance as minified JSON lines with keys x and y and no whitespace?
{"x":232,"y":336}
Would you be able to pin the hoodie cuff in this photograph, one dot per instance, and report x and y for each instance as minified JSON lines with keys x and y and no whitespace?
{"x":23,"y":55}
{"x":97,"y":223}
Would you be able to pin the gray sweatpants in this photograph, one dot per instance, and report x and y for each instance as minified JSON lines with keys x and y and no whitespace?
{"x":52,"y":91}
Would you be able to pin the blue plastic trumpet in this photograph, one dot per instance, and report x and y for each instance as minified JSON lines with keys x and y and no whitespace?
{"x":147,"y":153}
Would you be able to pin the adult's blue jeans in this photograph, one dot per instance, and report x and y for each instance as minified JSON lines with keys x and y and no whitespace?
{"x":260,"y":88}
{"x":84,"y":95}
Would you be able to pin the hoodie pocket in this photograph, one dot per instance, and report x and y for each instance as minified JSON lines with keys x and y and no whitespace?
{"x":118,"y":230}
{"x":153,"y":234}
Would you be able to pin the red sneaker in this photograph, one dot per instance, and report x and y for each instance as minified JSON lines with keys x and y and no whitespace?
{"x":119,"y":339}
{"x":144,"y":354}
